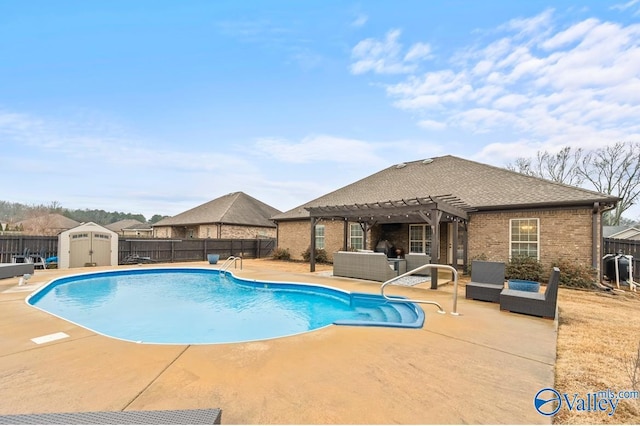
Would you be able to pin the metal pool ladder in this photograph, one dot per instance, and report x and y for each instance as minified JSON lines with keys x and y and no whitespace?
{"x":230,"y":260}
{"x":429,"y":302}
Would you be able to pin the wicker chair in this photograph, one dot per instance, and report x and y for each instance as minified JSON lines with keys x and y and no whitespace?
{"x":487,"y":281}
{"x":533,"y":303}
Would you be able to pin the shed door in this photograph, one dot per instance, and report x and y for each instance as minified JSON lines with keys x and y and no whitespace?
{"x":79,"y":249}
{"x":101,"y":247}
{"x":89,"y":247}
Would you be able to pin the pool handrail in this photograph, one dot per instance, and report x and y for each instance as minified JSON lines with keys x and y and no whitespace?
{"x":227,"y":263}
{"x":435,"y":266}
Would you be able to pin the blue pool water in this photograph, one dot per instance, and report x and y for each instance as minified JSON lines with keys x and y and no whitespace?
{"x":202,"y":306}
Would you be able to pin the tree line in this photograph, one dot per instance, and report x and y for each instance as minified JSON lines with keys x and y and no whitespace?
{"x":612,"y":170}
{"x":15,"y":212}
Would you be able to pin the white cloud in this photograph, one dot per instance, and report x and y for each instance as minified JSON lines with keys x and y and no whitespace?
{"x":534,"y":81}
{"x":432,"y":124}
{"x":319,"y":148}
{"x":418,"y":51}
{"x":534,"y":26}
{"x":625,"y":6}
{"x":360,"y":21}
{"x":570,"y":35}
{"x":385,"y":57}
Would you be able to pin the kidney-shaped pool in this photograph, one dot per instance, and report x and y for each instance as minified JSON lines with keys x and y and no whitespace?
{"x":205,"y":306}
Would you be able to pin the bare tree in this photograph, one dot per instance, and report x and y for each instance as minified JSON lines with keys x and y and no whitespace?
{"x":614,"y":170}
{"x":562,"y":167}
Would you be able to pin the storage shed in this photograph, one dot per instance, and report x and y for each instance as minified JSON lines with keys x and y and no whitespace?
{"x":88,"y":244}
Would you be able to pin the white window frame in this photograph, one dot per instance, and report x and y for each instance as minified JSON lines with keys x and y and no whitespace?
{"x":320,"y":237}
{"x":425,"y":241}
{"x":523,"y":224}
{"x":356,"y":237}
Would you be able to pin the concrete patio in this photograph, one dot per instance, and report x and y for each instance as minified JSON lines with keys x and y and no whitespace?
{"x":483,"y":366}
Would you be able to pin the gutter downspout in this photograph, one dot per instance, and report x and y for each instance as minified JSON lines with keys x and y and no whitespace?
{"x":596,"y":231}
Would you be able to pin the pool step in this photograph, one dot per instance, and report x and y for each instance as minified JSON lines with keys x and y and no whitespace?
{"x":381,"y":310}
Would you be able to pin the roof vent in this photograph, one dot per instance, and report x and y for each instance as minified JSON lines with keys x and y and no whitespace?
{"x":427,"y":161}
{"x":401,"y":165}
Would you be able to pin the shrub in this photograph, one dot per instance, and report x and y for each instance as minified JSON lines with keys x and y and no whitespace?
{"x":575,"y":275}
{"x":281,"y":254}
{"x":524,"y":268}
{"x":321,"y":255}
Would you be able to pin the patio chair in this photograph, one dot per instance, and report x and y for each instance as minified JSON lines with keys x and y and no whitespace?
{"x":533,"y":303}
{"x":487,"y":281}
{"x":39,"y":259}
{"x":22,"y":258}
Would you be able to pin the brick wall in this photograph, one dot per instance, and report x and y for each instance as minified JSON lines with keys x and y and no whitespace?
{"x":210,"y":230}
{"x":235,"y":231}
{"x":162,"y":232}
{"x":564,"y":234}
{"x":296,"y":235}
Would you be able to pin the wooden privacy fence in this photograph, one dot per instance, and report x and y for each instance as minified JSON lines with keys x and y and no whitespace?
{"x":11,"y":245}
{"x":614,"y":246}
{"x":158,"y":249}
{"x":173,"y":250}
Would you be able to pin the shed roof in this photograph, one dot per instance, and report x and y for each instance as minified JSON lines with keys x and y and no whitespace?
{"x":479,"y":186}
{"x":236,"y":208}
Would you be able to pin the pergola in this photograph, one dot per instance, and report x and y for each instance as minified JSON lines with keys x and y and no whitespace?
{"x":430,"y":209}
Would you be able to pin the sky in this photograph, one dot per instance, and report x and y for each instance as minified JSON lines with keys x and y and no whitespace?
{"x":155,"y":106}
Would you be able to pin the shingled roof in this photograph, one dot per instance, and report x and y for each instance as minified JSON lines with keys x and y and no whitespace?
{"x":50,"y":220}
{"x":236,"y":208}
{"x":480,"y":186}
{"x":126,"y":224}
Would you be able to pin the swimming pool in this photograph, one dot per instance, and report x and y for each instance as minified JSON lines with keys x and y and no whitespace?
{"x":204,"y":306}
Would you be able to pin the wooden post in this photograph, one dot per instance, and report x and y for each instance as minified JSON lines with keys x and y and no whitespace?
{"x":345,"y":234}
{"x":312,"y":248}
{"x":435,"y":246}
{"x":363,"y":225}
{"x":454,"y":249}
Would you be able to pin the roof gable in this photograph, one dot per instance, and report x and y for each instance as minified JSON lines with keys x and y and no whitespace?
{"x":50,"y":220}
{"x":480,"y":186}
{"x":123,"y":224}
{"x":627,"y":233}
{"x":236,"y":208}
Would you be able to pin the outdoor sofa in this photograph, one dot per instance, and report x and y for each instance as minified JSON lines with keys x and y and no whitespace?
{"x":204,"y":416}
{"x":533,"y":303}
{"x":8,"y":270}
{"x":364,"y":265}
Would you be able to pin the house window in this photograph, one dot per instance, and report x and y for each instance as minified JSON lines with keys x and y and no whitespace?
{"x":356,"y":236}
{"x":320,"y":236}
{"x":524,"y":237}
{"x":420,"y":239}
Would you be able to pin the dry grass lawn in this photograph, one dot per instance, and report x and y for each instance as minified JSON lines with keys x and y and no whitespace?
{"x":598,"y":337}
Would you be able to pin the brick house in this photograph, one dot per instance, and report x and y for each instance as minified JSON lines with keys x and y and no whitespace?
{"x":130,"y":228}
{"x":455,"y":210}
{"x":235,"y":216}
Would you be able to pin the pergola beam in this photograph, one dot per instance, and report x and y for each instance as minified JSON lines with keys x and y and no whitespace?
{"x":448,"y":204}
